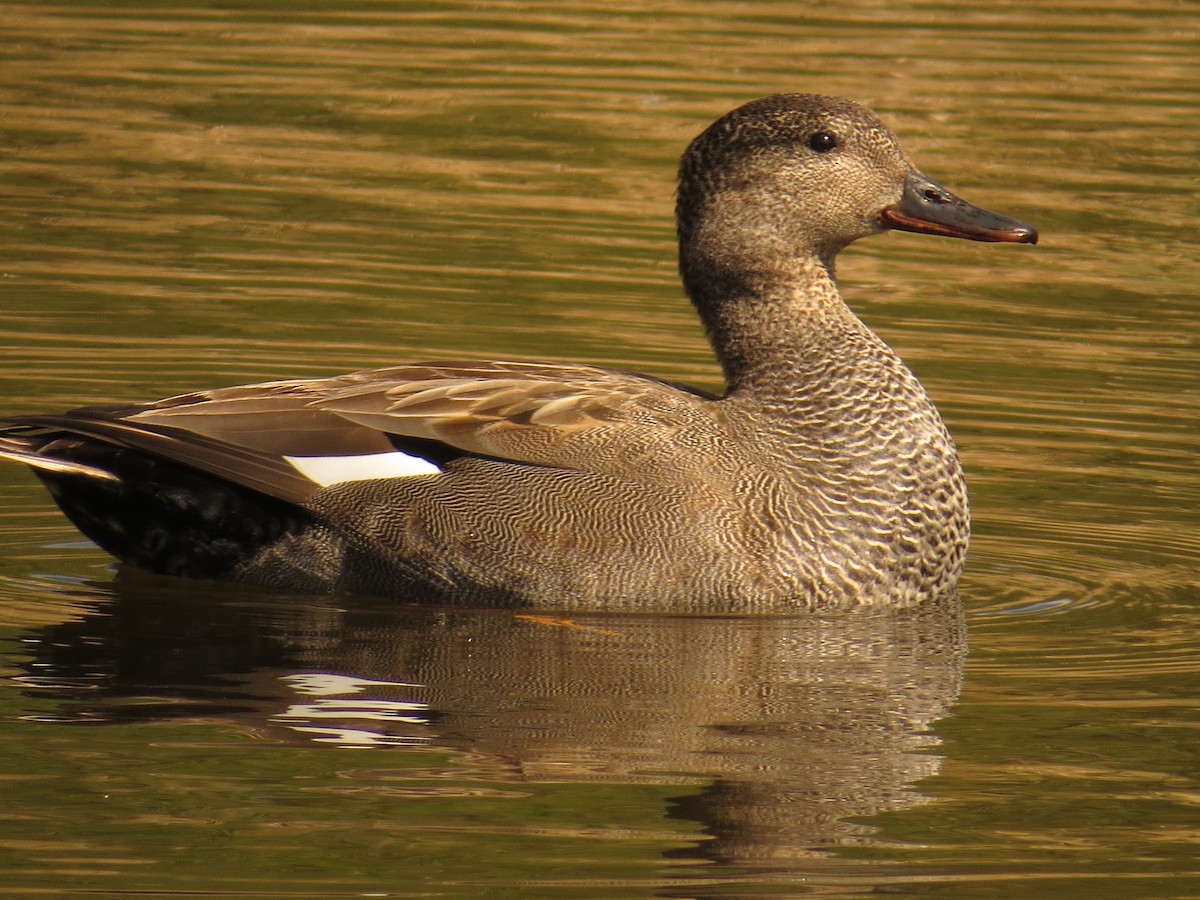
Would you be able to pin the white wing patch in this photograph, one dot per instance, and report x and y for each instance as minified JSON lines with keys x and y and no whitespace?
{"x":327,"y":470}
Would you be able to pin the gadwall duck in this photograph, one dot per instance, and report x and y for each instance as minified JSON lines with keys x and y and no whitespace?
{"x":822,"y":477}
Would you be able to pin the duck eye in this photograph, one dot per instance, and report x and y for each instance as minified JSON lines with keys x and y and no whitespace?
{"x":823,"y":141}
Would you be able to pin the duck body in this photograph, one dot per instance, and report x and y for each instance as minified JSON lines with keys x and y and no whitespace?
{"x":824,"y":475}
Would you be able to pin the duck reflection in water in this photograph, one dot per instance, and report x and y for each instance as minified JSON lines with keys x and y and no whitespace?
{"x":777,"y":730}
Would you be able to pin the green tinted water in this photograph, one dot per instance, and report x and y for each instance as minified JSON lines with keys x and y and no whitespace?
{"x":204,"y":197}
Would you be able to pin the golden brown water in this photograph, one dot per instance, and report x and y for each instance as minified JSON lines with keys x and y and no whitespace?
{"x":204,"y":197}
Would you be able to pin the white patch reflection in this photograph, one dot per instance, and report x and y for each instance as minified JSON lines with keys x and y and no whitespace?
{"x":360,"y":722}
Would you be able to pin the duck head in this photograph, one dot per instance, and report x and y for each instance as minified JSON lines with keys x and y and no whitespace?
{"x":803,"y":175}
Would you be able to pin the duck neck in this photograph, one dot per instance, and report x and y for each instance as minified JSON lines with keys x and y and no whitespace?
{"x":785,"y":336}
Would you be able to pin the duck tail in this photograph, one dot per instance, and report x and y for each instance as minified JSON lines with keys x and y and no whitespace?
{"x":21,"y":444}
{"x":151,"y":512}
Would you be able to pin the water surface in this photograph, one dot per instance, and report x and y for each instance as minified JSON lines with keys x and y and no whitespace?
{"x":204,"y":197}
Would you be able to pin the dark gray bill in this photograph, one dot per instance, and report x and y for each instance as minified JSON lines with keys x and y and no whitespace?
{"x":928,"y":208}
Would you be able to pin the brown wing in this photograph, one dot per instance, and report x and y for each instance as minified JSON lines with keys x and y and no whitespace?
{"x":274,"y":417}
{"x":564,"y":416}
{"x":257,"y":435}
